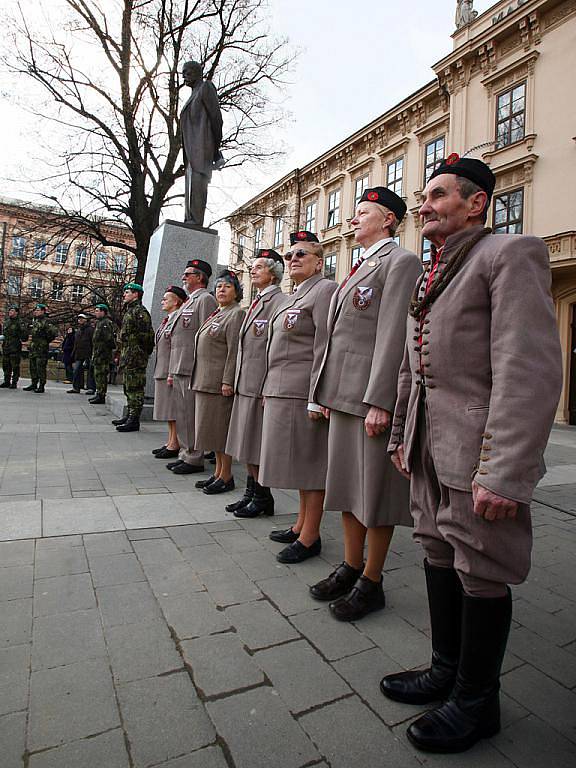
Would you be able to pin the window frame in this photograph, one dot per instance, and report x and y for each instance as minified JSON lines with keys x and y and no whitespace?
{"x":425,"y":251}
{"x":36,"y":287}
{"x":509,"y":91}
{"x":397,"y":179}
{"x":57,"y":291}
{"x":258,"y":233}
{"x":332,"y":259}
{"x":310,"y":221}
{"x":360,"y":251}
{"x":77,"y":295}
{"x":333,"y":213}
{"x":18,"y":281}
{"x":61,"y":252}
{"x":364,"y":182}
{"x":500,"y":229}
{"x":18,"y":251}
{"x":429,"y":168}
{"x":97,"y":257}
{"x":278,"y":231}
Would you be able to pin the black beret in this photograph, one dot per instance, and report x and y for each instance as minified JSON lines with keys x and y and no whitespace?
{"x":387,"y":198}
{"x":469,"y":168}
{"x":268,"y":253}
{"x":177,"y":291}
{"x":303,"y":237}
{"x":203,"y":266}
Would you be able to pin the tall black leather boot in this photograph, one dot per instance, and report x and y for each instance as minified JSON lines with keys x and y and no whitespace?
{"x":132,"y":424}
{"x":261,"y":504}
{"x":436,"y":682}
{"x":246,"y":499}
{"x":473,"y":710}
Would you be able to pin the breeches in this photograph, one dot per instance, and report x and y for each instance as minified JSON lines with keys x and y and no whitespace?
{"x":38,"y":365}
{"x":11,"y":365}
{"x":487,"y":555}
{"x":134,"y":384}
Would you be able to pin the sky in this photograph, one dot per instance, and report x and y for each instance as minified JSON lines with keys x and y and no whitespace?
{"x":356,"y":60}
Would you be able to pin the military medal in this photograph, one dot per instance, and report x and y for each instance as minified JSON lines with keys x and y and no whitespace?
{"x":259,"y":327}
{"x":290,"y":319}
{"x":214,"y":329}
{"x":362,"y":298}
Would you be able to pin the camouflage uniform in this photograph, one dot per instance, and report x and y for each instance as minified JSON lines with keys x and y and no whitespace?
{"x":103,"y":344}
{"x":15,"y":332}
{"x":136,"y":345}
{"x":42,"y":332}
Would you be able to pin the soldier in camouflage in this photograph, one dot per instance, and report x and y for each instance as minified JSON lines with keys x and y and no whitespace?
{"x":42,"y":332}
{"x":136,"y":345}
{"x":103,"y":344}
{"x":15,"y":332}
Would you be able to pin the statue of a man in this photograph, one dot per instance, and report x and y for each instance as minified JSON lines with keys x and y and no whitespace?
{"x":201,"y":126}
{"x":465,"y":13}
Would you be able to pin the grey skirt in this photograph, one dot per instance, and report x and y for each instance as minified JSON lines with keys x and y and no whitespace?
{"x":294,"y":450}
{"x":164,"y":401}
{"x":361,"y":477}
{"x":212,"y":420}
{"x":245,"y":431}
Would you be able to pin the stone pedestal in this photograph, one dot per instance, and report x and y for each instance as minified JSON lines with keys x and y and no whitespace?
{"x":171,"y":246}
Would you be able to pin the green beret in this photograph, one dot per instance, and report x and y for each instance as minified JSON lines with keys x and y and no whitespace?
{"x":105,"y":307}
{"x":15,"y":308}
{"x":133,"y":287}
{"x":41,"y":306}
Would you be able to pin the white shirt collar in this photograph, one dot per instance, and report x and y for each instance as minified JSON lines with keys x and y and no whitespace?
{"x":268,"y":289}
{"x":376,"y":247}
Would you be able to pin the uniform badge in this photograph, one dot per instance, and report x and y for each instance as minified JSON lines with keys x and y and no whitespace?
{"x":362,"y":297}
{"x":214,"y":329}
{"x":290,"y":319}
{"x":372,"y":263}
{"x":186,"y":320}
{"x":259,"y":327}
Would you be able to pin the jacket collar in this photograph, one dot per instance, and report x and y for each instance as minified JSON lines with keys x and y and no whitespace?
{"x":459,"y":238}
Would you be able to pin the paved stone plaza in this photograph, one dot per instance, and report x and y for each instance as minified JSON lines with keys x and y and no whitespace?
{"x":140,"y":625}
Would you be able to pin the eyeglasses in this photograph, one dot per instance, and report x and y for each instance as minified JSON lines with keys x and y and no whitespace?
{"x":190,"y":274}
{"x":288,"y":256}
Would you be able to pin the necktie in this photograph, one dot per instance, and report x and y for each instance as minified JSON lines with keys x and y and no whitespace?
{"x":352,"y":271}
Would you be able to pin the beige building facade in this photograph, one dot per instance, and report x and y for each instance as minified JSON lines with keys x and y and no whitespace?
{"x":506,"y":93}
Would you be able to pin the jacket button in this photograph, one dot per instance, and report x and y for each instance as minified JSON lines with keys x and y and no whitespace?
{"x":487,"y":435}
{"x":482,"y":471}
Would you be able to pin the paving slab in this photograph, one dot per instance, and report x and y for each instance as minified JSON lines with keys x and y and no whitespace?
{"x":163,"y":718}
{"x":288,"y":595}
{"x":399,"y":639}
{"x":230,"y":586}
{"x":14,"y":671}
{"x":66,"y":638}
{"x":127,"y":604}
{"x":190,"y":536}
{"x":153,"y":551}
{"x":210,"y":557}
{"x":68,"y":516}
{"x":210,"y":757}
{"x":70,"y":703}
{"x":260,"y":625}
{"x":116,"y":543}
{"x":108,"y":570}
{"x":61,"y":594}
{"x":138,"y":651}
{"x":146,"y":533}
{"x":16,"y":553}
{"x":245,"y":718}
{"x":219,"y":664}
{"x":168,"y":579}
{"x":193,"y":615}
{"x":154,"y":511}
{"x":16,"y":581}
{"x":15,"y":622}
{"x":108,"y":750}
{"x":60,"y":562}
{"x":333,"y":639}
{"x":525,"y":741}
{"x":12,"y":739}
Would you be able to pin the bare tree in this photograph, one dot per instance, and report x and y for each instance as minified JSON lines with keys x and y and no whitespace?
{"x":109,"y":72}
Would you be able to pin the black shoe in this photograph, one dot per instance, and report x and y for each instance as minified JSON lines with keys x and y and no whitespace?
{"x":204,"y":483}
{"x":219,"y":486}
{"x":364,"y":597}
{"x":158,"y":450}
{"x":187,"y":469}
{"x":209,"y":455}
{"x":337,"y":584}
{"x":286,"y":536}
{"x":5,"y":385}
{"x":166,"y":453}
{"x":246,"y":499}
{"x":298,"y":552}
{"x":132,"y":425}
{"x":39,"y":389}
{"x":30,"y":387}
{"x":72,"y":391}
{"x":261,"y":504}
{"x":436,"y":682}
{"x":173,"y":464}
{"x":118,"y":422}
{"x":473,"y":710}
{"x":14,"y":385}
{"x":98,"y":400}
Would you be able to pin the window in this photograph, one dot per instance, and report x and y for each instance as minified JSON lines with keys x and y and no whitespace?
{"x":39,"y":250}
{"x":426,"y":249}
{"x":360,"y":185}
{"x":101,"y":260}
{"x":241,"y":247}
{"x":257,"y":239}
{"x":77,"y":292}
{"x":333,"y":208}
{"x":36,"y":287}
{"x":394,"y":175}
{"x":61,"y":253}
{"x":357,"y":252}
{"x":57,"y":290}
{"x":18,"y":246}
{"x":14,"y":285}
{"x":434,"y":154}
{"x":278,"y":231}
{"x":330,"y":266}
{"x":81,"y":256}
{"x":119,"y":263}
{"x":510,"y":116}
{"x":508,"y":213}
{"x":310,"y":217}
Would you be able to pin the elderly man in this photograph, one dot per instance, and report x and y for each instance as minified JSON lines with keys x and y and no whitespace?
{"x":477,"y":393}
{"x":181,"y":330}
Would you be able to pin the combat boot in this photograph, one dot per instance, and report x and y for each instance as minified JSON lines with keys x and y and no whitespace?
{"x":14,"y":384}
{"x":39,"y":389}
{"x":98,"y":400}
{"x":132,"y":424}
{"x":5,"y":384}
{"x":30,"y":387}
{"x":123,"y":420}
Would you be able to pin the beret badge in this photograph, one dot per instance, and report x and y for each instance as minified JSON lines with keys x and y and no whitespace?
{"x":453,"y":158}
{"x":301,"y":235}
{"x":372,"y":196}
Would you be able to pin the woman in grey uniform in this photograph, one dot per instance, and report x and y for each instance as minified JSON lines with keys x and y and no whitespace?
{"x":294,"y":432}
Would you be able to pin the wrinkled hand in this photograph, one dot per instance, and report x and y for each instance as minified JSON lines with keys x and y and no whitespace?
{"x":315,"y":415}
{"x":227,"y":390}
{"x":490,"y":506}
{"x":399,"y":461}
{"x":170,"y":381}
{"x":325,"y":412}
{"x":376,"y":422}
